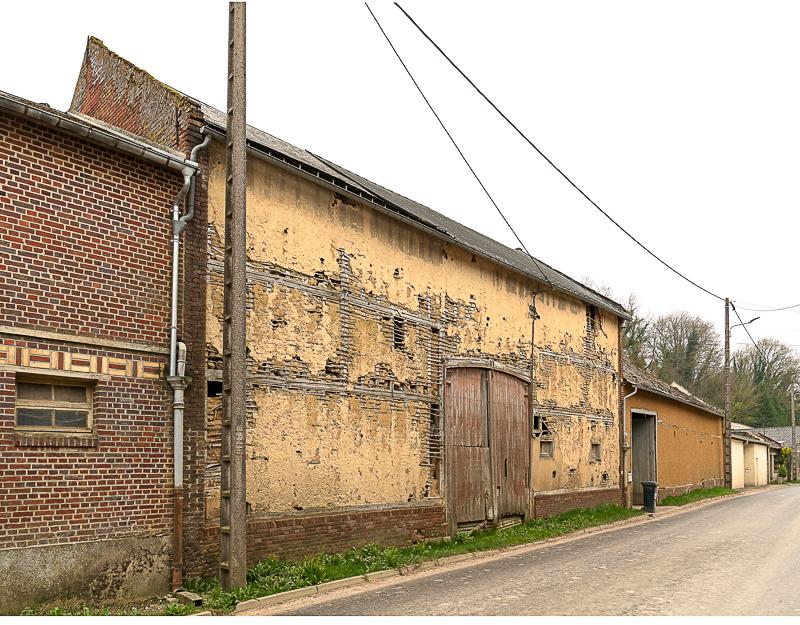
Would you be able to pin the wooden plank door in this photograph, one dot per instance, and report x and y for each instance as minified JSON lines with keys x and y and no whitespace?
{"x":509,"y":442}
{"x":467,"y":446}
{"x":643,"y":454}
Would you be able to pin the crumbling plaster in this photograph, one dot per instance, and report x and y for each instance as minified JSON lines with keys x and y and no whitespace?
{"x":312,"y":449}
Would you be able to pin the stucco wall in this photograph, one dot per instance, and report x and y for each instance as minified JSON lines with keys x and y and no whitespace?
{"x":341,"y":413}
{"x":102,"y":570}
{"x":737,"y":464}
{"x":755,"y":464}
{"x":689,"y":441}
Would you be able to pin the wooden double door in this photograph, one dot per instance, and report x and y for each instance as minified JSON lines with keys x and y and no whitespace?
{"x":487,"y":438}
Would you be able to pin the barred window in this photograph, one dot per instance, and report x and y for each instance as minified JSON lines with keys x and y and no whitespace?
{"x":53,"y":406}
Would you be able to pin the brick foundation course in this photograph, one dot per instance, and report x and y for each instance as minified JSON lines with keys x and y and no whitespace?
{"x":672,"y":491}
{"x":296,"y":535}
{"x":551,"y":504}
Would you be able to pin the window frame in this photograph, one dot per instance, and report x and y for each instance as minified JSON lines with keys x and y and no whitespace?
{"x":53,"y":405}
{"x":550,"y":444}
{"x":592,"y":456}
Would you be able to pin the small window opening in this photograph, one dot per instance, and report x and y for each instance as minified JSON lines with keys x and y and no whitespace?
{"x":546,"y":449}
{"x":594,"y":455}
{"x":48,"y":406}
{"x":399,"y":332}
{"x":540,"y":427}
{"x":214,"y":388}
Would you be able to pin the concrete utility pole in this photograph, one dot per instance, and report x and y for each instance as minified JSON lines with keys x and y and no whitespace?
{"x":728,"y":327}
{"x":233,"y":513}
{"x":793,"y":467}
{"x":727,"y":432}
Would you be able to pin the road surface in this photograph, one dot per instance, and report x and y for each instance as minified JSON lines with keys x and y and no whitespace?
{"x":736,"y":556}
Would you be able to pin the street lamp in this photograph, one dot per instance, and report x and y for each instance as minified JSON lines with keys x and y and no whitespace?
{"x":745,"y":323}
{"x":727,"y":441}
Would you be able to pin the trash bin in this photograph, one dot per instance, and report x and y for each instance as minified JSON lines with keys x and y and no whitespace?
{"x":650,"y":490}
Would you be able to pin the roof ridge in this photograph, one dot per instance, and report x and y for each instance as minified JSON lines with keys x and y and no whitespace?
{"x":482,"y":244}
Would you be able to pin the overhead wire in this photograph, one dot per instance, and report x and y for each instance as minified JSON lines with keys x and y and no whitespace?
{"x":458,"y":149}
{"x":779,"y":309}
{"x":542,"y":154}
{"x":552,"y":164}
{"x":750,"y":336}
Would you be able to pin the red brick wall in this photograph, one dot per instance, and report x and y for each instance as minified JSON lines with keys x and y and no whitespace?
{"x":297,"y":535}
{"x":119,"y":486}
{"x":113,"y":90}
{"x":193,"y":321}
{"x":84,"y":250}
{"x":671,"y":491}
{"x":547,"y":504}
{"x":84,"y":236}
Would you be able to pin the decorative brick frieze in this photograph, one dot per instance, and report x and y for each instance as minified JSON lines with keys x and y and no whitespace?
{"x":40,"y":359}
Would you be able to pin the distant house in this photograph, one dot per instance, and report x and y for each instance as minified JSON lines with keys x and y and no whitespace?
{"x":672,"y":437}
{"x":781,"y":434}
{"x":753,"y":457}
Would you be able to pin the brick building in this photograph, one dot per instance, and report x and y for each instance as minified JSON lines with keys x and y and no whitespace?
{"x":371,"y":322}
{"x":675,"y":438}
{"x":390,"y":348}
{"x":85,"y":411}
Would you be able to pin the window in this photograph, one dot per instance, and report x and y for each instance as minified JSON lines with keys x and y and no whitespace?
{"x":594,"y":454}
{"x":53,"y":406}
{"x":545,"y":449}
{"x":399,"y":333}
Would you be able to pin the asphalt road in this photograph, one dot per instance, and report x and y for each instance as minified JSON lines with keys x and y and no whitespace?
{"x":736,"y":556}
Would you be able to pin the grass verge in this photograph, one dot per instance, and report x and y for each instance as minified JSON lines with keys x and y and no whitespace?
{"x":696,"y":495}
{"x":152,"y":608}
{"x":274,"y":575}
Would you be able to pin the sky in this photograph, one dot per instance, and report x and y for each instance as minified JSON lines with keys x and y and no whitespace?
{"x":680,"y":119}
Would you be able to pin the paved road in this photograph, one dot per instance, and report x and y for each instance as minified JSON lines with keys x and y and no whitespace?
{"x":731,"y":557}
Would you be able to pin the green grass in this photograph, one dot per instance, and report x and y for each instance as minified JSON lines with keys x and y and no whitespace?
{"x":696,"y":495}
{"x":274,"y":575}
{"x":157,"y":608}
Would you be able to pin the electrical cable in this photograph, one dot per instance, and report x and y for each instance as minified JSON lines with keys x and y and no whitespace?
{"x":458,"y":149}
{"x":744,"y":325}
{"x":552,"y":164}
{"x":770,"y":309}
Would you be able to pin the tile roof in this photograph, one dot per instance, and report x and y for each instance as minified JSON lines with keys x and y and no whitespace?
{"x":781,"y":434}
{"x":418,"y":213}
{"x":640,"y":378}
{"x":743,"y":432}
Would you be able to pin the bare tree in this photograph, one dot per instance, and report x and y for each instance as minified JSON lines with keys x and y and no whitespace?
{"x":685,"y":349}
{"x":771,"y":369}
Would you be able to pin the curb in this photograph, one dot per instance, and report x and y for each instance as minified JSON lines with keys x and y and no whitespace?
{"x":290,"y":595}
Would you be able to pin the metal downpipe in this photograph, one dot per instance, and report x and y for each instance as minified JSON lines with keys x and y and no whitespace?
{"x":177,"y":366}
{"x":625,"y":447}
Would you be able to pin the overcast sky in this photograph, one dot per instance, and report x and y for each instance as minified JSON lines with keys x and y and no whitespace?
{"x":680,"y":119}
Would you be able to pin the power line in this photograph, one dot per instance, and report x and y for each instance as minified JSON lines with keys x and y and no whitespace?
{"x":769,"y":309}
{"x":744,"y":325}
{"x":455,"y":145}
{"x":551,"y":163}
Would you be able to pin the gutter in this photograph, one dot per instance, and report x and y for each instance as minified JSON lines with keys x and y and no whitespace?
{"x":85,"y":129}
{"x":177,"y":364}
{"x":625,"y":447}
